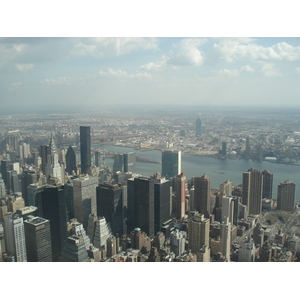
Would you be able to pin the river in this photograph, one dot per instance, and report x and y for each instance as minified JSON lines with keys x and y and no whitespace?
{"x":194,"y":166}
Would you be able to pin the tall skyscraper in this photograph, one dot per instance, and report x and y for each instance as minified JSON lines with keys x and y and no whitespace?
{"x":44,"y":155}
{"x":74,"y":250}
{"x":252,"y":191}
{"x":129,"y":162}
{"x":118,"y":165}
{"x":202,"y":195}
{"x":162,"y":201}
{"x":267,"y":184}
{"x":85,"y":149}
{"x":15,"y":237}
{"x":84,"y":192}
{"x":141,"y":205}
{"x":171,"y":163}
{"x":225,"y":238}
{"x":27,"y":177}
{"x":286,"y":195}
{"x":53,"y":168}
{"x":198,"y":127}
{"x":179,"y":200}
{"x":110,"y":205}
{"x":100,"y":159}
{"x":71,"y":161}
{"x":198,"y":232}
{"x":38,"y":240}
{"x":54,"y":209}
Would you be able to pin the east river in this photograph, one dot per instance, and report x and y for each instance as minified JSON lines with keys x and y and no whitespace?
{"x":218,"y":170}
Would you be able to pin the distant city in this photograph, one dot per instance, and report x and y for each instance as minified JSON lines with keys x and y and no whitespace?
{"x":90,"y":187}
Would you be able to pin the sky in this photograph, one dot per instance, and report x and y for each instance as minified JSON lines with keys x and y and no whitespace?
{"x":39,"y":71}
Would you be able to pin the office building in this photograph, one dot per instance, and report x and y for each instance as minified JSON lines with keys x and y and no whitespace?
{"x":179,"y":199}
{"x":226,"y":188}
{"x":198,"y":127}
{"x":252,"y":191}
{"x":38,"y":239}
{"x":53,"y":168}
{"x":74,"y":250}
{"x":118,"y":165}
{"x":84,"y":193}
{"x":225,"y":240}
{"x":110,"y":205}
{"x":27,"y":177}
{"x":286,"y":195}
{"x":76,"y":228}
{"x":202,"y":186}
{"x":267,"y":184}
{"x":85,"y":149}
{"x":171,"y":163}
{"x":71,"y":167}
{"x":227,"y":208}
{"x":45,"y":151}
{"x":2,"y":186}
{"x":224,"y":149}
{"x":177,"y":241}
{"x":2,"y":240}
{"x":247,"y":251}
{"x":140,"y":240}
{"x":198,"y":232}
{"x":162,"y":202}
{"x":140,"y":213}
{"x":100,"y":159}
{"x":102,"y":232}
{"x":15,"y":237}
{"x":129,"y":162}
{"x":53,"y":208}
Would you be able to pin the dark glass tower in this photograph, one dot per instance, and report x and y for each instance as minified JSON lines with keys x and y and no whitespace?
{"x":267,"y":184}
{"x":85,"y":149}
{"x":70,"y":161}
{"x":38,"y":240}
{"x":54,"y":209}
{"x":45,"y":150}
{"x":27,"y":178}
{"x":202,"y":195}
{"x":129,"y":162}
{"x":171,"y":163}
{"x":109,"y":205}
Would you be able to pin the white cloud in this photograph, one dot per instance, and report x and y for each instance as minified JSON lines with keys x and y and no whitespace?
{"x":123,"y":74}
{"x":247,"y":68}
{"x":15,"y":85}
{"x":228,"y":72}
{"x":63,"y":80}
{"x":24,"y":67}
{"x":269,"y":70}
{"x":185,"y":53}
{"x":235,"y":49}
{"x":100,"y":47}
{"x":298,"y":70}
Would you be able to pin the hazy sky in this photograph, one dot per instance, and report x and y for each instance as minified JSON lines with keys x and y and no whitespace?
{"x":88,"y":71}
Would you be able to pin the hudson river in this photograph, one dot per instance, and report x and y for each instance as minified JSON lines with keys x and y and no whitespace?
{"x":192,"y":166}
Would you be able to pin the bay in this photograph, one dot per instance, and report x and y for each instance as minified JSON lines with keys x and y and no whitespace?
{"x":192,"y":166}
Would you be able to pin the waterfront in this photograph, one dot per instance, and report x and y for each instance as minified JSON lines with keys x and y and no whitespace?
{"x":217,"y":169}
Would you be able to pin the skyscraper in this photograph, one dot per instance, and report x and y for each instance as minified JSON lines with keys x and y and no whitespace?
{"x":202,"y":195}
{"x":44,"y":155}
{"x":27,"y":177}
{"x":38,"y":239}
{"x":85,"y":149}
{"x":100,"y":159}
{"x":286,"y":195}
{"x":15,"y":237}
{"x":84,"y":193}
{"x":74,"y":250}
{"x":179,"y":201}
{"x":129,"y":162}
{"x":118,"y":163}
{"x":162,"y":202}
{"x":71,"y":161}
{"x":267,"y":184}
{"x":141,"y":205}
{"x":110,"y":205}
{"x":198,"y":232}
{"x":198,"y":127}
{"x":171,"y":163}
{"x":225,"y":238}
{"x":54,"y":209}
{"x":252,"y":191}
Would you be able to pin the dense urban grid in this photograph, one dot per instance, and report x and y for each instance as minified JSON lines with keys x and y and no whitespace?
{"x":61,"y":202}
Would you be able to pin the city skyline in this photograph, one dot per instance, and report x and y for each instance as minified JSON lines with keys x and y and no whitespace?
{"x":149,"y":71}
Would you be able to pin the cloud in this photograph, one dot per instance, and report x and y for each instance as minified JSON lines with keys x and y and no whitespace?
{"x":297,"y":70}
{"x":15,"y":85}
{"x":247,"y":68}
{"x":184,"y":53}
{"x":63,"y":80}
{"x":100,"y":47}
{"x":123,"y":74}
{"x":235,"y":49}
{"x":24,"y":67}
{"x":269,"y":70}
{"x":228,"y":72}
